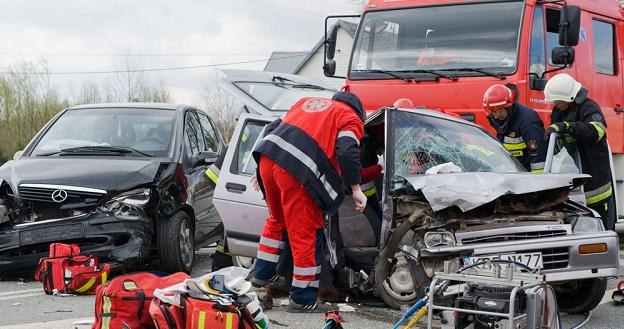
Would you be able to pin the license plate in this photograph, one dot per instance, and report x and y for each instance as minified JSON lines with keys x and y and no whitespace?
{"x":532,"y":260}
{"x":53,"y":233}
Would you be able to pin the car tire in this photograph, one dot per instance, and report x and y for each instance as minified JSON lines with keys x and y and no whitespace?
{"x":176,"y":243}
{"x":385,"y":268}
{"x":581,"y":296}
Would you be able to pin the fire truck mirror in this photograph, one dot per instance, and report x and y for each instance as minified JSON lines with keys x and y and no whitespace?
{"x":329,"y":68}
{"x":331,"y":42}
{"x":563,"y":55}
{"x":537,"y":82}
{"x":569,"y":26}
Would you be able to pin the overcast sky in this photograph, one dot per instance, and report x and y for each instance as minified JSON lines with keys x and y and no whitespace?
{"x":85,"y":36}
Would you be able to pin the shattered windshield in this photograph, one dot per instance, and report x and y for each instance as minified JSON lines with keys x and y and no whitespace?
{"x":453,"y":38}
{"x":422,"y":142}
{"x":281,"y":96}
{"x":145,"y":130}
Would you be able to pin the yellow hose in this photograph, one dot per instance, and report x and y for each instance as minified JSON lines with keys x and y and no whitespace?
{"x":416,"y":317}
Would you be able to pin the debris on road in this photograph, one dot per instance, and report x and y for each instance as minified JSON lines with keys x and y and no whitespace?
{"x":346,"y":308}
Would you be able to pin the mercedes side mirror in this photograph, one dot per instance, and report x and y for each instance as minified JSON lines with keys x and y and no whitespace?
{"x":569,"y":26}
{"x":207,"y":157}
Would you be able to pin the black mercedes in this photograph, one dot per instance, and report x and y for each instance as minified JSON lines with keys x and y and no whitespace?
{"x":127,"y":182}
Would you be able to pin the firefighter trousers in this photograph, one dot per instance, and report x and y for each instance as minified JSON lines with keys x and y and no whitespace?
{"x":606,"y":209}
{"x":293,"y":213}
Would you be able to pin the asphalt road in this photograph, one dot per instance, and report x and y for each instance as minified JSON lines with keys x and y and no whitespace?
{"x":23,"y":304}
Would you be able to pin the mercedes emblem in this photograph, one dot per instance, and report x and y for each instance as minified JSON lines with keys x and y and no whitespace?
{"x":59,"y":196}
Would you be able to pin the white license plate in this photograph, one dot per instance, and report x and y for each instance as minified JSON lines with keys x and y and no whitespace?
{"x":532,"y":260}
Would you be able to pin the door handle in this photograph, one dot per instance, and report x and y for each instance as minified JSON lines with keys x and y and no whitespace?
{"x":618,"y":109}
{"x":235,"y":187}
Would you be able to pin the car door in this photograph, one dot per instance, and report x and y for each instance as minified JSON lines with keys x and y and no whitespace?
{"x":242,"y":208}
{"x":205,"y":192}
{"x":199,"y":188}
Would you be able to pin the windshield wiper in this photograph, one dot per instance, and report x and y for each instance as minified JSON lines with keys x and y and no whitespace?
{"x":97,"y":150}
{"x":499,"y":74}
{"x":308,"y":86}
{"x":390,"y":73}
{"x":433,"y":72}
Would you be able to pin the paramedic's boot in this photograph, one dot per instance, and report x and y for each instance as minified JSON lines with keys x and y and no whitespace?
{"x":310,"y":308}
{"x":276,"y":280}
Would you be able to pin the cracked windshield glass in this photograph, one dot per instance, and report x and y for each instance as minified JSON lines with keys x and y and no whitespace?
{"x":422,"y":142}
{"x":452,"y":38}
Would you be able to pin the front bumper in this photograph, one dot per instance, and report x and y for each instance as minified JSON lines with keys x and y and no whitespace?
{"x":577,"y":266}
{"x":97,"y":233}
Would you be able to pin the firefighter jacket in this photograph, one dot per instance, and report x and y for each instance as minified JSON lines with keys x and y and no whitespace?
{"x":522,"y":134}
{"x":316,"y":142}
{"x":589,"y":132}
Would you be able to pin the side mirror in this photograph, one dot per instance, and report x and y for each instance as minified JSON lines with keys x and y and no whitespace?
{"x":205,"y":158}
{"x":330,"y":43}
{"x":569,"y":26}
{"x":536,"y":82}
{"x":329,"y":68}
{"x":18,"y":154}
{"x":563,"y":55}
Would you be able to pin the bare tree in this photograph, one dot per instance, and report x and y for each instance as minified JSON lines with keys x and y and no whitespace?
{"x":222,"y":107}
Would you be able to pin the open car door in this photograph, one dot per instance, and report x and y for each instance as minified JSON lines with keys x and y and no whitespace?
{"x":242,"y":208}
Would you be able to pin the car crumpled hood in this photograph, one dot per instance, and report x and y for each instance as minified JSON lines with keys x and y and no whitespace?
{"x":468,"y":191}
{"x":97,"y":172}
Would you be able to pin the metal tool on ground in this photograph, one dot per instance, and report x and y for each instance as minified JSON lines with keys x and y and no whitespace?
{"x":618,"y":295}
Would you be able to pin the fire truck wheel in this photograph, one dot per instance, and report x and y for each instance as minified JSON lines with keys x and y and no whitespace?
{"x":581,"y":296}
{"x":176,"y":244}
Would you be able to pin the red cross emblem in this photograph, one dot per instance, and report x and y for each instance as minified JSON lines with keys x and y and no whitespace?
{"x":316,"y":104}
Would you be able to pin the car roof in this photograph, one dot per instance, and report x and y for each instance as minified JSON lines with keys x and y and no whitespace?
{"x":155,"y":106}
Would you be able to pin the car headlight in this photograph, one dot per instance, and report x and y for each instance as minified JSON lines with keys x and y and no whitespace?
{"x":129,"y":203}
{"x":584,"y":224}
{"x":439,"y":238}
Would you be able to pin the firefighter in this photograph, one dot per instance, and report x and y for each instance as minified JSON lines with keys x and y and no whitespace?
{"x":518,"y":127}
{"x":303,"y":161}
{"x":578,"y":116}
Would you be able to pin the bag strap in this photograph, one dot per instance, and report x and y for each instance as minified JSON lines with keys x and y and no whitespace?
{"x":170,"y":322}
{"x":141,"y":298}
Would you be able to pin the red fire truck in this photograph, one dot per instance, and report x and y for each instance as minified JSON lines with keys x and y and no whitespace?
{"x":446,"y":53}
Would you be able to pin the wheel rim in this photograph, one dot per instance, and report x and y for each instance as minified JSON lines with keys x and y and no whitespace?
{"x":186,"y":243}
{"x":399,"y":283}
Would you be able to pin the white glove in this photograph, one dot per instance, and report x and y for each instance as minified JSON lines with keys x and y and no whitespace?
{"x":359,"y":198}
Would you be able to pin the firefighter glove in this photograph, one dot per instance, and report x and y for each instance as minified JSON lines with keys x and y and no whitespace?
{"x":559,"y":127}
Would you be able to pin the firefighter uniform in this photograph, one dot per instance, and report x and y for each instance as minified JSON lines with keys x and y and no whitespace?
{"x":303,"y":160}
{"x":585,"y":124}
{"x":522,"y":135}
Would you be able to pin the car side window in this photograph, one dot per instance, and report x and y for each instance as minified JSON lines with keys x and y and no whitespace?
{"x":210,"y":139}
{"x":243,"y":162}
{"x":193,"y":138}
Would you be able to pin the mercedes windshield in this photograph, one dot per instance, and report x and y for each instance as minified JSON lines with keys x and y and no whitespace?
{"x":442,"y":41}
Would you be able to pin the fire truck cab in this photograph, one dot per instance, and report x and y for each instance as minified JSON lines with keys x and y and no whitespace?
{"x":446,"y":53}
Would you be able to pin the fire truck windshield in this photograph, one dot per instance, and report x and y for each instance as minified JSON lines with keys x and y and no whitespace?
{"x":460,"y":39}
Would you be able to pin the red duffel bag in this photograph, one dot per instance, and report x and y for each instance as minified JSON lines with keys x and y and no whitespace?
{"x":67,"y":272}
{"x":124,"y":302}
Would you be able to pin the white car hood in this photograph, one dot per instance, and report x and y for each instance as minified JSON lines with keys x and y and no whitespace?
{"x":471,"y":190}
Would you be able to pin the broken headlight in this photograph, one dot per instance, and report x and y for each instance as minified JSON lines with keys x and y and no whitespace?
{"x":439,"y":238}
{"x":129,"y":204}
{"x":584,"y":224}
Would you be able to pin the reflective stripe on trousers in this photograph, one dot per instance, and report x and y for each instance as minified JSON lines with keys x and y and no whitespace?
{"x":369,"y":189}
{"x":599,"y":194}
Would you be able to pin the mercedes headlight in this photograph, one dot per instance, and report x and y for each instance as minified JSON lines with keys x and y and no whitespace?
{"x":129,"y":203}
{"x":584,"y":224}
{"x":439,"y":238}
